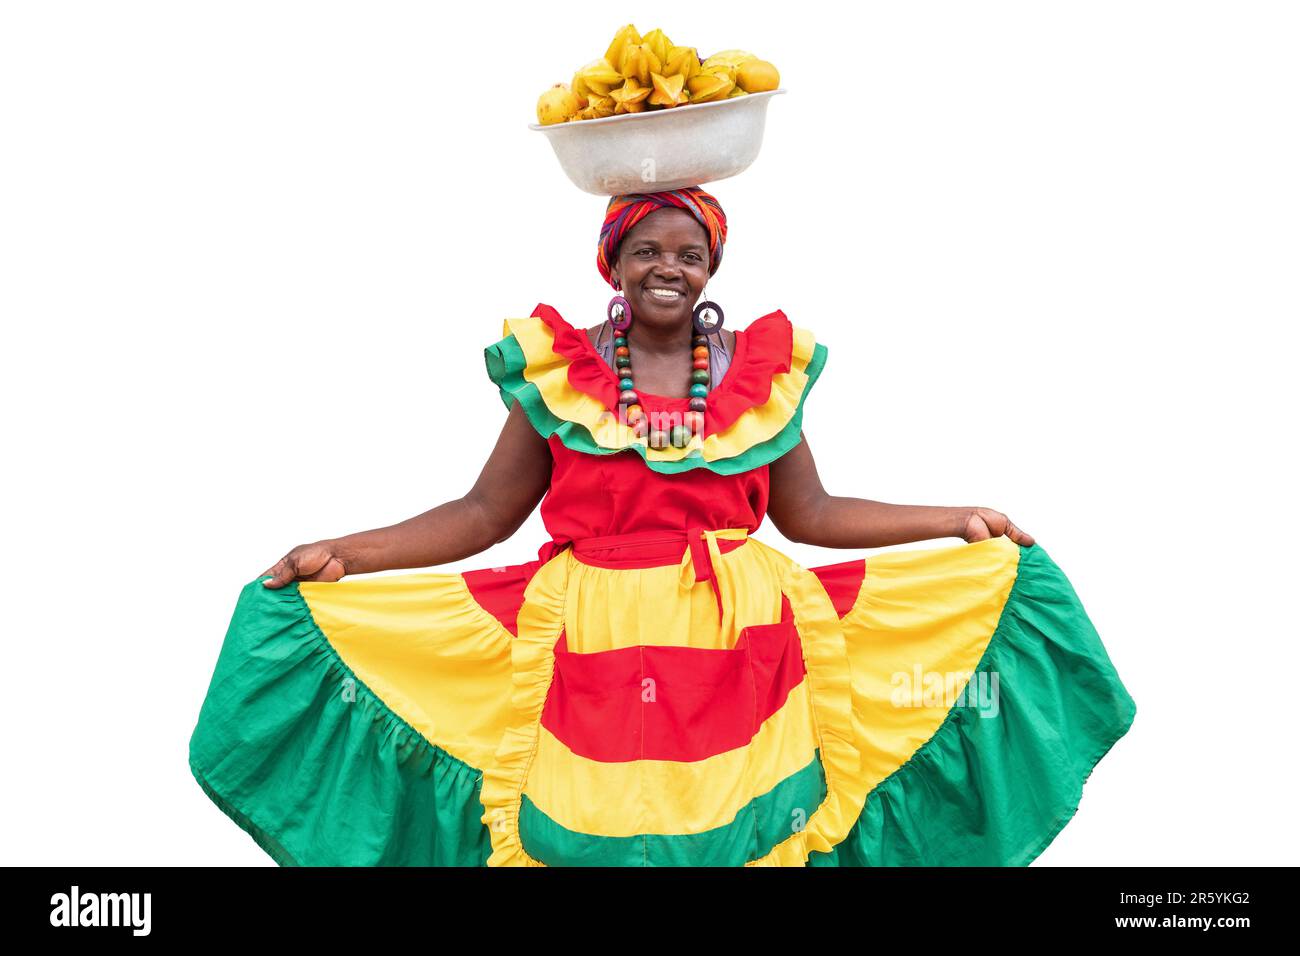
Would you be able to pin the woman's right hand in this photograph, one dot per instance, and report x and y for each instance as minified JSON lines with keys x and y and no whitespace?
{"x":307,"y":562}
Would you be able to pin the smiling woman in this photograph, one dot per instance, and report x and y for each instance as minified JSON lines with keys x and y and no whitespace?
{"x":659,"y":687}
{"x":661,"y":265}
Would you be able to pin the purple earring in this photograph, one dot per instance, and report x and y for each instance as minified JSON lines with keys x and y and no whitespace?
{"x":619,"y":312}
{"x":707,"y":318}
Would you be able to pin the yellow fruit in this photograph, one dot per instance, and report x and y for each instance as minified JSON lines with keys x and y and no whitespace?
{"x":757,"y":76}
{"x":557,"y":104}
{"x":599,"y":75}
{"x":638,"y":62}
{"x":708,"y":87}
{"x":658,"y":43}
{"x":732,"y":58}
{"x":630,"y":92}
{"x":682,"y":61}
{"x":667,"y":91}
{"x":579,"y":87}
{"x":728,"y":73}
{"x":625,"y":36}
{"x":598,"y":107}
{"x":650,"y":72}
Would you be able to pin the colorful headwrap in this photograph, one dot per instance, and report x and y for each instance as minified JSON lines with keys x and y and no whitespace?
{"x":624,"y":212}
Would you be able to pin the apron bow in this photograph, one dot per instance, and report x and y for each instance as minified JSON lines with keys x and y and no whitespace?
{"x":702,"y":554}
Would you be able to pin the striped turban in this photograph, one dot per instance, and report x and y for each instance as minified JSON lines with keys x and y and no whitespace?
{"x":624,"y":212}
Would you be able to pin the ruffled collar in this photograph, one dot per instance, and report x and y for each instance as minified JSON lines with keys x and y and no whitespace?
{"x":763,"y":350}
{"x":567,"y":390}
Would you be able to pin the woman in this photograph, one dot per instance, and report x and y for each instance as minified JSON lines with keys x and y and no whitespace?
{"x":658,"y":687}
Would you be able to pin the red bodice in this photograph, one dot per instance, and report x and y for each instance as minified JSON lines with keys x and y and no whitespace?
{"x":606,"y":482}
{"x":598,"y":495}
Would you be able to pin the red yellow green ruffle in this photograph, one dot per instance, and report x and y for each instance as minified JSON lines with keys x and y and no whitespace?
{"x":763,"y":350}
{"x":753,"y":417}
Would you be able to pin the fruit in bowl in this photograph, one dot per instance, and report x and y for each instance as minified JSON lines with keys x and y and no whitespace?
{"x":642,"y":73}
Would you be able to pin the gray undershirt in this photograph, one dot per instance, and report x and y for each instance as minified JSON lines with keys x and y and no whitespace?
{"x":719,"y":360}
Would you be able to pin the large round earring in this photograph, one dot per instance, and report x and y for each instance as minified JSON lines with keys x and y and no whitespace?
{"x":620,"y":314}
{"x":707,"y":317}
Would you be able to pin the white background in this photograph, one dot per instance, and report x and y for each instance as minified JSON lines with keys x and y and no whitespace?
{"x":251,"y":253}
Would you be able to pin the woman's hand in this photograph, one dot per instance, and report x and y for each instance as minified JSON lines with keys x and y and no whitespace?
{"x":307,"y":562}
{"x":984,"y":523}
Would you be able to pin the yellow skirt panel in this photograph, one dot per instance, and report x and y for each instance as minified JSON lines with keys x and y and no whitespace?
{"x":879,"y":682}
{"x":428,"y":650}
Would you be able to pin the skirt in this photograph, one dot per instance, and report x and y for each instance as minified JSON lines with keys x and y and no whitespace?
{"x":686,"y":698}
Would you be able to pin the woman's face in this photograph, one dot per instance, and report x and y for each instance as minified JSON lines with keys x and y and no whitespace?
{"x":667,"y":250}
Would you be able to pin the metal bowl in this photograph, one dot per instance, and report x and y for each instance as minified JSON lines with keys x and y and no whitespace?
{"x":661,"y":149}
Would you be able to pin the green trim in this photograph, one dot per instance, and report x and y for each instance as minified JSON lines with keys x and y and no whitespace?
{"x":759,"y":826}
{"x":317,"y":780}
{"x":505,"y":365}
{"x":317,"y":770}
{"x":996,"y":790}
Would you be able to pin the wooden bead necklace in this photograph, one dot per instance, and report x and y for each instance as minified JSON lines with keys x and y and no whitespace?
{"x":692,"y":423}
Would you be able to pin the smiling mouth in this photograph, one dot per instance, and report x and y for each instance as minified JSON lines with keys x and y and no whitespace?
{"x":662,"y":295}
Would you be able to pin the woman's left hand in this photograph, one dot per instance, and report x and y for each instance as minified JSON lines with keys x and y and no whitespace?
{"x":984,"y":523}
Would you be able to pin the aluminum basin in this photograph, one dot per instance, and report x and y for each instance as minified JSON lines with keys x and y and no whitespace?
{"x":661,"y":149}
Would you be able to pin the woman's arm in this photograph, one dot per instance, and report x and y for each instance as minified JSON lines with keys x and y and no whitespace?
{"x":802,"y":511}
{"x":512,"y":482}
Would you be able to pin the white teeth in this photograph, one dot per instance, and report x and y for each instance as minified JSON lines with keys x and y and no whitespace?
{"x":664,"y":293}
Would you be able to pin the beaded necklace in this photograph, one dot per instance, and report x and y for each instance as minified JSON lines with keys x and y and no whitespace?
{"x":677,"y":434}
